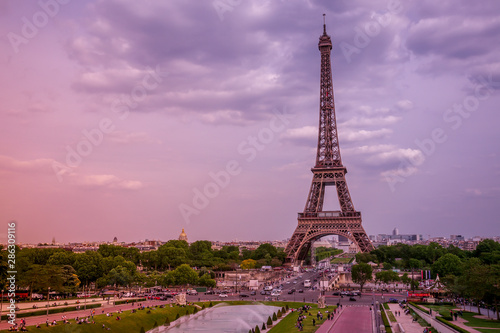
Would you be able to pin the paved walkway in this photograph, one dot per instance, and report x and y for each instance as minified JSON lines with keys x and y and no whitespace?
{"x":440,"y":327}
{"x":460,"y":322}
{"x":406,"y":320}
{"x":351,"y":319}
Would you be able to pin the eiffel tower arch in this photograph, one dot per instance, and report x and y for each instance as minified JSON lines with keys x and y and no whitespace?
{"x":314,"y":222}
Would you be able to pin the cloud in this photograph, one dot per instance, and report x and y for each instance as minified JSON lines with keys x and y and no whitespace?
{"x":349,"y":135}
{"x":132,"y":137}
{"x":11,"y":164}
{"x":306,"y":135}
{"x":106,"y":181}
{"x":371,"y":121}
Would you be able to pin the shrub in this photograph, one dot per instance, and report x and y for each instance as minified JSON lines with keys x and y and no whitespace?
{"x":257,"y":329}
{"x":155,"y":324}
{"x":446,"y":322}
{"x":187,"y":312}
{"x":177,"y":316}
{"x":269,"y":321}
{"x":286,"y":307}
{"x":195,"y":310}
{"x":210,"y":305}
{"x":263,"y":326}
{"x":279,"y":314}
{"x":142,"y":330}
{"x":203,"y":307}
{"x":167,"y":322}
{"x":274,"y":317}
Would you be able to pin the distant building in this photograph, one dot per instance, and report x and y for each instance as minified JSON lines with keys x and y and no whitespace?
{"x":183,"y":236}
{"x":457,"y":238}
{"x":115,"y":240}
{"x":395,"y":232}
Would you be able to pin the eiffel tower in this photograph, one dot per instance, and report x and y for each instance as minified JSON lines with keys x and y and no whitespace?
{"x":315,"y":223}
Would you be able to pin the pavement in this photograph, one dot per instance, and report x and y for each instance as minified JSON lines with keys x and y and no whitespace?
{"x":406,"y":320}
{"x":350,"y":319}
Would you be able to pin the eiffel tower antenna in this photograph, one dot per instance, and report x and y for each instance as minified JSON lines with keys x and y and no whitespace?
{"x":315,"y":223}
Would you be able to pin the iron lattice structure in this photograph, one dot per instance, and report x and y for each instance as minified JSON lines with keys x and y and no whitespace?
{"x":315,"y":223}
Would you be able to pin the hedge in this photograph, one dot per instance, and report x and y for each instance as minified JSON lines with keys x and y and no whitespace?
{"x":386,"y":306}
{"x":51,"y":311}
{"x":388,"y":327}
{"x":130,"y":301}
{"x":446,"y":322}
{"x":419,"y":307}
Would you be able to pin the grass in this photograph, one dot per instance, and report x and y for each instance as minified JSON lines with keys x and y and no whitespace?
{"x":130,"y":322}
{"x":341,"y":260}
{"x":287,"y":324}
{"x":133,"y":322}
{"x":444,"y":310}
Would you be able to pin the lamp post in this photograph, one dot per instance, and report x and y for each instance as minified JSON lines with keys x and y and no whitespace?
{"x":85,"y":297}
{"x":1,"y":308}
{"x":48,"y":298}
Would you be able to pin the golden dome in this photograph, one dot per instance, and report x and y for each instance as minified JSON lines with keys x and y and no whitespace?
{"x":183,"y":236}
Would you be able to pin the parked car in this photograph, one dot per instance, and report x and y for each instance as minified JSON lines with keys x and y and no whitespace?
{"x":300,"y":290}
{"x":253,"y":292}
{"x":291,"y":291}
{"x":244,"y":295}
{"x":210,"y":292}
{"x":393,"y":300}
{"x":262,"y":292}
{"x":352,"y":299}
{"x":336,"y":293}
{"x":222,"y":295}
{"x":193,"y":292}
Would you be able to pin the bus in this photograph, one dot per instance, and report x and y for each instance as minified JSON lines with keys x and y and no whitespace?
{"x":307,"y":283}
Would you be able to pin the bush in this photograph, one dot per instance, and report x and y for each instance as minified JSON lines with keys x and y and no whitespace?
{"x":210,"y":305}
{"x":142,"y":330}
{"x":446,"y":322}
{"x":203,"y":307}
{"x":263,"y":326}
{"x":177,"y":316}
{"x":388,"y":328}
{"x":287,"y":308}
{"x":279,"y":314}
{"x":167,"y":322}
{"x":187,"y":312}
{"x":274,"y":317}
{"x":269,"y":321}
{"x":257,"y":329}
{"x":51,"y":311}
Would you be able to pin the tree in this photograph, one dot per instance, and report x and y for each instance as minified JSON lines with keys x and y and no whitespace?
{"x":184,"y":275}
{"x":119,"y":276}
{"x":89,"y":267}
{"x":361,"y":273}
{"x":448,"y":264}
{"x":475,"y":279}
{"x":172,"y":256}
{"x":248,"y":264}
{"x":387,"y":276}
{"x":207,"y":281}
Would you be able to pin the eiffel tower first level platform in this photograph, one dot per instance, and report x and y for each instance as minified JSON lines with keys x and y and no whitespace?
{"x":315,"y":223}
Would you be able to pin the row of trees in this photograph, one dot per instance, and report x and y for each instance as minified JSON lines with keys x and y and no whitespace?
{"x":113,"y":265}
{"x":469,"y":274}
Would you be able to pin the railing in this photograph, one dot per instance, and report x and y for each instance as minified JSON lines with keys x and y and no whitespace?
{"x":328,"y":214}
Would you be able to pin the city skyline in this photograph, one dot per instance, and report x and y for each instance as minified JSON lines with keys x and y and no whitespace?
{"x":135,"y":120}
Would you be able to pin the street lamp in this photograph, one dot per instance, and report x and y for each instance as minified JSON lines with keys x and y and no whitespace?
{"x":48,"y":297}
{"x":1,"y":308}
{"x":85,"y":297}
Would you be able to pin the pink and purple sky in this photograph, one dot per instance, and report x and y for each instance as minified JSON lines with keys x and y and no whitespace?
{"x":116,"y":115}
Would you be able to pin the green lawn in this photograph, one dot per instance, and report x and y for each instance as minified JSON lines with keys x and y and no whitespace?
{"x":287,"y":324}
{"x":444,"y":310}
{"x":130,"y":322}
{"x":133,"y":322}
{"x":341,"y":260}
